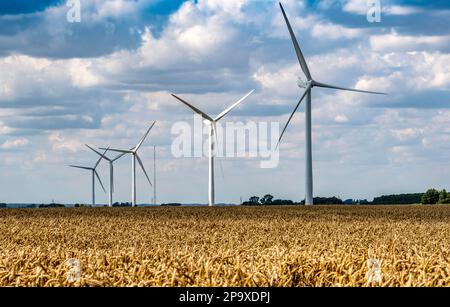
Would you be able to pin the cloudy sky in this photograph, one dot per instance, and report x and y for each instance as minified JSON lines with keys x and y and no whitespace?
{"x":104,"y":80}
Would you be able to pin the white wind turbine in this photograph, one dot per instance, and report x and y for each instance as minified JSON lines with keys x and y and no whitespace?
{"x":134,"y":153}
{"x":212,"y":134}
{"x":94,"y":174}
{"x":111,"y":171}
{"x":308,"y":85}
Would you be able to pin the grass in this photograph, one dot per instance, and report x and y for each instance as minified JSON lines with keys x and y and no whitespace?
{"x":231,"y":246}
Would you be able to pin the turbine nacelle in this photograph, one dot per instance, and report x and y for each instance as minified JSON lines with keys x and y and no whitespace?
{"x":302,"y":83}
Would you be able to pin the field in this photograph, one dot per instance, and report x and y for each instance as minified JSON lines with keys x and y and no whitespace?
{"x":233,"y":246}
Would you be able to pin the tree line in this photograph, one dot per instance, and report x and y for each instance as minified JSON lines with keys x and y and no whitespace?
{"x":433,"y":196}
{"x":430,"y":197}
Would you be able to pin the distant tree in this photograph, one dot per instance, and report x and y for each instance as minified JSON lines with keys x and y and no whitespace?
{"x":266,"y":200}
{"x":443,"y":196}
{"x":122,"y":204}
{"x":282,"y":202}
{"x":254,"y":200}
{"x":51,"y":206}
{"x":398,"y":199}
{"x":430,"y":197}
{"x":2,"y":205}
{"x":326,"y":201}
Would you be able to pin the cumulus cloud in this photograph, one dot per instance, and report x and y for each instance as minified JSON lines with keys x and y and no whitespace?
{"x":10,"y":144}
{"x":334,"y":32}
{"x":398,"y":42}
{"x":60,"y":143}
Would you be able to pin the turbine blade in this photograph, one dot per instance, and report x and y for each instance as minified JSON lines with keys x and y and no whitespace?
{"x":298,"y":51}
{"x":118,"y":150}
{"x":118,"y":157}
{"x":82,"y":167}
{"x":98,"y":153}
{"x":318,"y":84}
{"x":203,"y":114}
{"x":99,"y":180}
{"x":101,"y":157}
{"x":233,"y":106}
{"x":143,"y":168}
{"x":295,"y":110}
{"x":145,"y":136}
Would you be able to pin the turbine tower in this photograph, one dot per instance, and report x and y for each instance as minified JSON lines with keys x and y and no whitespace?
{"x":154,"y":175}
{"x":308,"y":86}
{"x":134,"y":156}
{"x":111,"y":171}
{"x":94,"y":174}
{"x":212,"y":135}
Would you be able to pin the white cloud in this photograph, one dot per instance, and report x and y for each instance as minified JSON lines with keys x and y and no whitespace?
{"x":411,"y":72}
{"x":116,"y":7}
{"x":282,"y":80}
{"x":397,"y":42}
{"x":334,"y":32}
{"x":81,"y":74}
{"x":231,"y":7}
{"x":4,"y":129}
{"x":61,"y":143}
{"x":24,"y":76}
{"x":406,"y":134}
{"x":401,"y":10}
{"x":402,"y":155}
{"x":10,"y":144}
{"x":341,"y":119}
{"x":40,"y":157}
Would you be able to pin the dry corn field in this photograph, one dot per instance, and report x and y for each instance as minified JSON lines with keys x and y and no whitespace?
{"x":228,"y":246}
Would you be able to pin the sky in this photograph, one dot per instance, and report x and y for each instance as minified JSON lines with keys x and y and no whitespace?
{"x":104,"y":80}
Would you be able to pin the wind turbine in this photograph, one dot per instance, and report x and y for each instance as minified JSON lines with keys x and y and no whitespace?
{"x":111,"y":171}
{"x":212,"y":133}
{"x":94,"y":174}
{"x":134,"y":153}
{"x":308,"y":86}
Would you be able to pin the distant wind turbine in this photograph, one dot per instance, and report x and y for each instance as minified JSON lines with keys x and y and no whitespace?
{"x":111,"y":171}
{"x":212,"y":134}
{"x":94,"y":174}
{"x":134,"y":153}
{"x":308,"y":85}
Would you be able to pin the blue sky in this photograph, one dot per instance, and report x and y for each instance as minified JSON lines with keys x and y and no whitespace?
{"x":102,"y":81}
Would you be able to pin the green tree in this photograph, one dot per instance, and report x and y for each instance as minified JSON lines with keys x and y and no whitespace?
{"x":254,"y":200}
{"x":267,"y":199}
{"x":430,"y":197}
{"x":443,"y":196}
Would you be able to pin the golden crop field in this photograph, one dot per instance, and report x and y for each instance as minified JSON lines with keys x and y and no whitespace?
{"x":227,"y":246}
